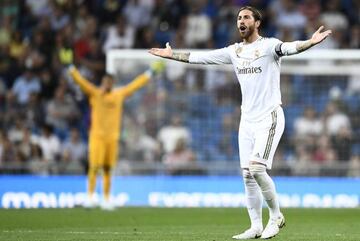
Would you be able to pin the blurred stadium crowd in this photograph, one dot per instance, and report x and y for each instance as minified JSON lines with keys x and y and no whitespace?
{"x":44,"y":117}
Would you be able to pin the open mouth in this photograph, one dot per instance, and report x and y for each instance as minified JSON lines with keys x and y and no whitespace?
{"x":242,"y":28}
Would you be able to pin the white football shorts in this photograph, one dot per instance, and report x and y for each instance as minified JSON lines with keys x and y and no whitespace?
{"x":258,"y":140}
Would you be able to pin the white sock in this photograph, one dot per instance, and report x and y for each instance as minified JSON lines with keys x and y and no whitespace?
{"x":267,"y":187}
{"x":253,"y":200}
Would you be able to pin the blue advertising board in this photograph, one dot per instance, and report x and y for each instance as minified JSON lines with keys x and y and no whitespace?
{"x":169,"y":191}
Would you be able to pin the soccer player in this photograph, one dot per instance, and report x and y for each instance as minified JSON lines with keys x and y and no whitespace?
{"x":106,"y":111}
{"x":256,"y":62}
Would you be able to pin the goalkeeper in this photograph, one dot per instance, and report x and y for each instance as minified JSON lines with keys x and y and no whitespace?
{"x":106,"y":112}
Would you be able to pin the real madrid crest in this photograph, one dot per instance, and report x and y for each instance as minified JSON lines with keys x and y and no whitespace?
{"x":257,"y":53}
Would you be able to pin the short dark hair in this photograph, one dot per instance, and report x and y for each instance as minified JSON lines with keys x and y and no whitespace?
{"x":256,"y":13}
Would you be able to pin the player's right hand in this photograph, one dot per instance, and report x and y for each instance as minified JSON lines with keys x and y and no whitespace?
{"x":164,"y":52}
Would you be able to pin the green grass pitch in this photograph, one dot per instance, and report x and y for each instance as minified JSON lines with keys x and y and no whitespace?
{"x":171,"y":224}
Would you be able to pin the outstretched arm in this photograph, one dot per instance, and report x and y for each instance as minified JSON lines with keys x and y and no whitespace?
{"x":169,"y":54}
{"x":217,"y":56}
{"x":136,"y":84}
{"x":84,"y":84}
{"x":156,"y":68}
{"x":290,"y":48}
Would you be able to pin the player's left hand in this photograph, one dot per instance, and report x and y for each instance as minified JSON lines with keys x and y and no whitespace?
{"x":70,"y":68}
{"x":319,"y":36}
{"x":157,"y":67}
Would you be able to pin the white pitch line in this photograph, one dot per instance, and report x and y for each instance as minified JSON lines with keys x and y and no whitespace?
{"x":66,"y":232}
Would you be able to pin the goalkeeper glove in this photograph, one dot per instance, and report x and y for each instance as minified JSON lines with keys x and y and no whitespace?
{"x":157,"y":67}
{"x":70,"y":67}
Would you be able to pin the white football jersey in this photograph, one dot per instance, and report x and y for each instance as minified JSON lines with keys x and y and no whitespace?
{"x":257,"y":67}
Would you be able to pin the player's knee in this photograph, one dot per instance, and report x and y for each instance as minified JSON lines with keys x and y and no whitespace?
{"x":248,"y":178}
{"x":247,"y":174}
{"x":107,"y":169}
{"x":93,"y":169}
{"x":256,"y":168}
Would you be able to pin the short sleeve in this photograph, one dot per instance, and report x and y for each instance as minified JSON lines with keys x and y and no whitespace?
{"x":218,"y":56}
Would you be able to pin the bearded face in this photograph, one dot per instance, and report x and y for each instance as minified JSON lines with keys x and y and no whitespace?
{"x":246,"y":23}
